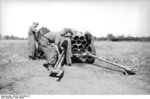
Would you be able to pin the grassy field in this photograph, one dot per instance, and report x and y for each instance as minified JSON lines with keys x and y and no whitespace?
{"x":18,"y":75}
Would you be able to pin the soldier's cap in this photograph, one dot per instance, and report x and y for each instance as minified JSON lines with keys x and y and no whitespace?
{"x":35,"y":23}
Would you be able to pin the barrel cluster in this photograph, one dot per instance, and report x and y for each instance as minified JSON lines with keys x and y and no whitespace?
{"x":78,"y":43}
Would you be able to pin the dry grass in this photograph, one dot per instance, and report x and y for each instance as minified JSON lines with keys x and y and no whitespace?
{"x":126,"y":53}
{"x":19,"y":75}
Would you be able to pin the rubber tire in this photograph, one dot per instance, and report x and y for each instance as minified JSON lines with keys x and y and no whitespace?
{"x":93,"y":52}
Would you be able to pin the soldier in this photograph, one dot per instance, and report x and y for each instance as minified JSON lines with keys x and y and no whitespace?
{"x":31,"y":40}
{"x":50,"y":44}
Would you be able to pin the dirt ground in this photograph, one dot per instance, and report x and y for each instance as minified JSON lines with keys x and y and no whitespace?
{"x":18,"y":75}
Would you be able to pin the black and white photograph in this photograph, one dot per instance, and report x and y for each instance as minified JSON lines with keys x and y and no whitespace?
{"x":74,"y":47}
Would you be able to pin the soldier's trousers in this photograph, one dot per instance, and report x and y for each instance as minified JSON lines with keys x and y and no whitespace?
{"x":49,"y":51}
{"x":31,"y":47}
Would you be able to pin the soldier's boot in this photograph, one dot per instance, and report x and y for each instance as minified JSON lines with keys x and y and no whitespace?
{"x":31,"y":57}
{"x":48,"y":66}
{"x":68,"y":64}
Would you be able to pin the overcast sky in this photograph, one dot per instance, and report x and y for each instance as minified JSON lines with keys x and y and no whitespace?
{"x":131,"y":17}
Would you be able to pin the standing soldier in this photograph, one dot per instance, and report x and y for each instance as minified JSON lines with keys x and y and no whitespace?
{"x":31,"y":40}
{"x":50,"y":44}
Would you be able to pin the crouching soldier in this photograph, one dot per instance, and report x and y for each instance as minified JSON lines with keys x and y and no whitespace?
{"x":51,"y":43}
{"x":31,"y":40}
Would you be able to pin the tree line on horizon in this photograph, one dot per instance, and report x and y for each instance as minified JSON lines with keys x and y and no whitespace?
{"x":109,"y":37}
{"x":11,"y":37}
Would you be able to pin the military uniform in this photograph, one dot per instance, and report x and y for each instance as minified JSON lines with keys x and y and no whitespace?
{"x":48,"y":40}
{"x":31,"y":41}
